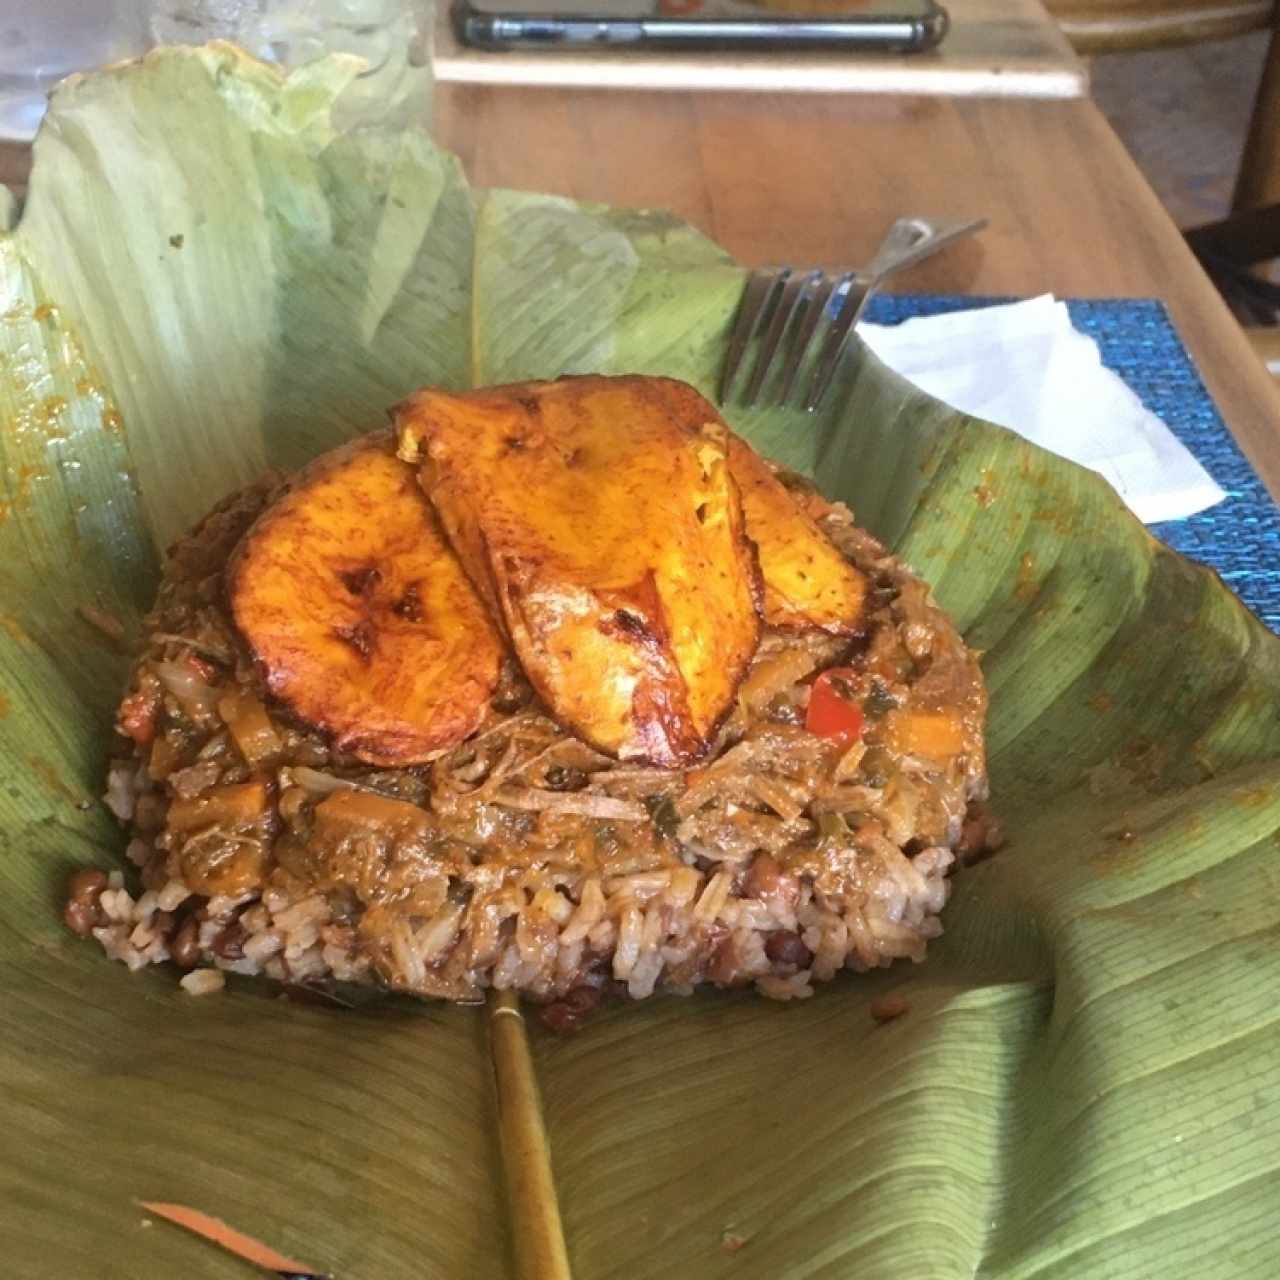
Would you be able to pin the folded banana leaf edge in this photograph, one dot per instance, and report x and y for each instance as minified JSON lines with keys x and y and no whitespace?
{"x":209,"y":277}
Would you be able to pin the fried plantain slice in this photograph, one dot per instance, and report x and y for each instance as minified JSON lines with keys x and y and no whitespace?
{"x":807,"y":582}
{"x":359,"y":614}
{"x":600,"y":518}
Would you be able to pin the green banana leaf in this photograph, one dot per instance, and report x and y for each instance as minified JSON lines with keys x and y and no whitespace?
{"x":209,"y":277}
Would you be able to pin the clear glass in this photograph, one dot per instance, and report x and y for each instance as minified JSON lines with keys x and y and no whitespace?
{"x":43,"y":40}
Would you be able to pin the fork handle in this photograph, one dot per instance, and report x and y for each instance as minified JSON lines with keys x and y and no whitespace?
{"x":911,"y":240}
{"x":908,"y":241}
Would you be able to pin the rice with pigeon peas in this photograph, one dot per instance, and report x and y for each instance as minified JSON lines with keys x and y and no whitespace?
{"x":524,"y":859}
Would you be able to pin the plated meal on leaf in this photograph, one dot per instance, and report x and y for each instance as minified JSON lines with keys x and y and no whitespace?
{"x":556,"y":687}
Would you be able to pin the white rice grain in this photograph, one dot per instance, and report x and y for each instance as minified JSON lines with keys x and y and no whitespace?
{"x":796,"y":987}
{"x":627,"y":951}
{"x":713,"y":897}
{"x":145,"y":907}
{"x":863,"y":952}
{"x":116,"y":905}
{"x":832,"y":947}
{"x":114,"y":940}
{"x":929,"y":928}
{"x":438,"y":935}
{"x":300,"y":939}
{"x":275,"y":900}
{"x":142,"y":936}
{"x":310,"y":964}
{"x":896,"y":941}
{"x":504,"y":972}
{"x":568,"y":959}
{"x":644,"y":975}
{"x":405,"y":954}
{"x":221,"y":905}
{"x":202,"y":982}
{"x":590,"y":910}
{"x":756,"y":914}
{"x":121,"y":790}
{"x":256,"y":919}
{"x":684,"y":886}
{"x":640,"y":886}
{"x":602,"y":935}
{"x":172,"y":896}
{"x":344,"y":967}
{"x":259,"y":946}
{"x":553,"y":905}
{"x":311,"y":910}
{"x":749,"y":949}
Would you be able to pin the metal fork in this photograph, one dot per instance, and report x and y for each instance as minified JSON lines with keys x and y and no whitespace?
{"x":787,"y":303}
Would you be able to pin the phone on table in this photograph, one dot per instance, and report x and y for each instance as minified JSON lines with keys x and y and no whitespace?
{"x":892,"y":25}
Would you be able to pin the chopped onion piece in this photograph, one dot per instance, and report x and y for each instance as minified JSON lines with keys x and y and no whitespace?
{"x":194,"y":696}
{"x":579,"y":802}
{"x":250,"y":727}
{"x":321,"y":784}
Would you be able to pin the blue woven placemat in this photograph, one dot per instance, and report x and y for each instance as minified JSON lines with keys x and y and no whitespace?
{"x":1240,"y":537}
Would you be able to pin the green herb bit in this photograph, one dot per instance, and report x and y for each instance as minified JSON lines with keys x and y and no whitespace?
{"x":880,"y":700}
{"x":662,"y":810}
{"x":832,"y":826}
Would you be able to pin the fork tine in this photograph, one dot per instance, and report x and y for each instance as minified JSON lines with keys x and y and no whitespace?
{"x":837,"y":337}
{"x":813,"y":308}
{"x":755,"y":298}
{"x":793,"y":284}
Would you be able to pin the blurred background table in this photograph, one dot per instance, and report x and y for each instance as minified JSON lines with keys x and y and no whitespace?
{"x":994,"y":47}
{"x":816,"y":179}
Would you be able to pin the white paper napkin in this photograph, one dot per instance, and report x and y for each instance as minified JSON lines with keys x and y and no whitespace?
{"x":1025,"y":366}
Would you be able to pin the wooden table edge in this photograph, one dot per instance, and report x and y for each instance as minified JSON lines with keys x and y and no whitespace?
{"x":1006,"y":81}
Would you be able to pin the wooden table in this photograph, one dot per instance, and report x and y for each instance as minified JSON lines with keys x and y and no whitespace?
{"x":1004,"y":48}
{"x":816,"y":179}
